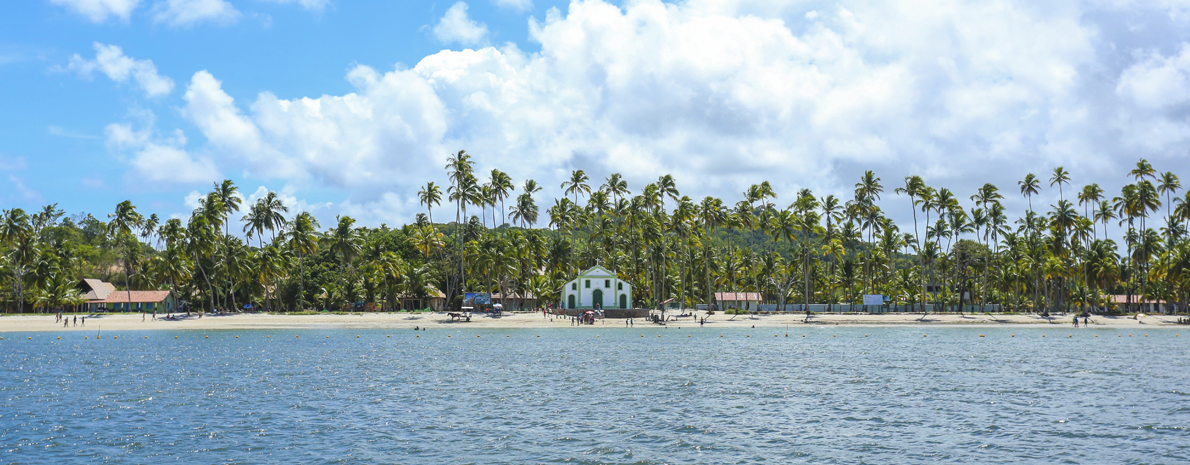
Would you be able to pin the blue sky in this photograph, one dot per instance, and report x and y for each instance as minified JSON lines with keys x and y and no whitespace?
{"x":349,"y":107}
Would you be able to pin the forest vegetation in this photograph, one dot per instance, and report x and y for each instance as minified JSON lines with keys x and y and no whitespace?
{"x":479,"y":232}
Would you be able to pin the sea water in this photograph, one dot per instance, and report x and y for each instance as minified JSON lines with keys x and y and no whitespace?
{"x":605,"y":394}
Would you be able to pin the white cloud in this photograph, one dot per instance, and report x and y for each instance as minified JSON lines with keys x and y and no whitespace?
{"x":1158,"y":82}
{"x":112,"y":62}
{"x":456,"y":27}
{"x":518,"y":5}
{"x":1156,"y":93}
{"x":723,"y":94}
{"x":100,"y":10}
{"x":172,"y":165}
{"x":156,"y":159}
{"x":181,"y":13}
{"x":312,"y":5}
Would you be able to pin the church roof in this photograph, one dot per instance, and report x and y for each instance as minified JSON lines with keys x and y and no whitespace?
{"x":597,"y":271}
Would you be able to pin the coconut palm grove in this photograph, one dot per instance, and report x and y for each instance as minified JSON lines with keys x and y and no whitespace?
{"x":480,"y":232}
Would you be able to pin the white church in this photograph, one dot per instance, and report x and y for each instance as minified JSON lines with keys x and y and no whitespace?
{"x":597,"y":288}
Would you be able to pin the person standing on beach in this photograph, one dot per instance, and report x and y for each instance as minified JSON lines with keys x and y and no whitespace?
{"x":76,"y":320}
{"x":84,"y":321}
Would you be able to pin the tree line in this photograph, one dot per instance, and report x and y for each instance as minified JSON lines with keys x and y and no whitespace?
{"x":962,"y":251}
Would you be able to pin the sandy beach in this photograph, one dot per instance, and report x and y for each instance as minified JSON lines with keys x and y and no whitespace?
{"x":133,"y":322}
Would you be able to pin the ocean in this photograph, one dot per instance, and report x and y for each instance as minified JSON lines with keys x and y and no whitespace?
{"x":597,"y":395}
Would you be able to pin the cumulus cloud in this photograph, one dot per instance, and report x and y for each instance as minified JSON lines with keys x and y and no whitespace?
{"x":726,"y":94}
{"x":456,"y":27}
{"x":181,"y":13}
{"x":112,"y":62}
{"x":99,"y":11}
{"x":518,"y":5}
{"x":158,"y":159}
{"x":1156,"y":92}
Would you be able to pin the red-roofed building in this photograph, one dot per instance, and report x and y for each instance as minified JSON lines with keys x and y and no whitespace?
{"x":101,"y":295}
{"x":741,"y":300}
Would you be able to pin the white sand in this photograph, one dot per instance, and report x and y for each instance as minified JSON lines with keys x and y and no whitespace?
{"x":117,"y":322}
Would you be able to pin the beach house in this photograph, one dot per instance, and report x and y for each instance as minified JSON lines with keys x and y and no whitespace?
{"x":740,"y":300}
{"x":103,"y":296}
{"x":596,"y":288}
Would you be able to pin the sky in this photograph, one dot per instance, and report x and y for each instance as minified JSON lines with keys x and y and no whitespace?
{"x":349,"y":107}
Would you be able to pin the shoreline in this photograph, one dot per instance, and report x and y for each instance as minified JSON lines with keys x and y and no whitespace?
{"x":534,"y":320}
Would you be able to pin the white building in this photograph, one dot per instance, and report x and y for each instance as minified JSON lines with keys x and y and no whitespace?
{"x":597,"y":288}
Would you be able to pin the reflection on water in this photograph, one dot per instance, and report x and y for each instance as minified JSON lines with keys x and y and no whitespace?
{"x":599,"y":395}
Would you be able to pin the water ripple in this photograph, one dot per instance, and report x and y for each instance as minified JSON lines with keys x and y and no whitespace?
{"x":839,"y":395}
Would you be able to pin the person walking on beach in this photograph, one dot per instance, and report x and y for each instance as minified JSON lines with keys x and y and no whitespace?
{"x":84,"y":321}
{"x":1086,"y":320}
{"x":1076,"y":321}
{"x":76,"y":320}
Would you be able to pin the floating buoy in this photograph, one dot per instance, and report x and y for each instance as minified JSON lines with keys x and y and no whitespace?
{"x":206,"y":337}
{"x":418,"y":336}
{"x":237,"y":337}
{"x":59,"y":337}
{"x":475,"y":335}
{"x":356,"y":336}
{"x":980,"y":335}
{"x":744,"y":336}
{"x":924,"y":335}
{"x":1013,"y":335}
{"x":1070,"y":335}
{"x":175,"y":337}
{"x":538,"y":335}
{"x":1096,"y":335}
{"x":85,"y":337}
{"x":266,"y":337}
{"x":146,"y":337}
{"x":1042,"y":335}
{"x":115,"y":337}
{"x":30,"y":337}
{"x":449,"y":335}
{"x":387,"y":336}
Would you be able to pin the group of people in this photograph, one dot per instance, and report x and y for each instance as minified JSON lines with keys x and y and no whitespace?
{"x":66,"y":320}
{"x":1086,"y":320}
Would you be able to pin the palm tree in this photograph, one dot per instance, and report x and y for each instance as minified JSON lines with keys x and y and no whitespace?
{"x":17,"y":234}
{"x":302,"y":239}
{"x":123,"y":222}
{"x":429,"y":196}
{"x":463,"y":186}
{"x":501,"y":187}
{"x":345,"y":242}
{"x":1060,"y":177}
{"x":577,"y":184}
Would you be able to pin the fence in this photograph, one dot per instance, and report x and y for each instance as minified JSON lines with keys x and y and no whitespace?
{"x":848,"y":308}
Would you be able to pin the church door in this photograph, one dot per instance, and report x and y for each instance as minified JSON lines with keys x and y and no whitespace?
{"x":623,"y":300}
{"x":597,"y":298}
{"x":570,"y":301}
